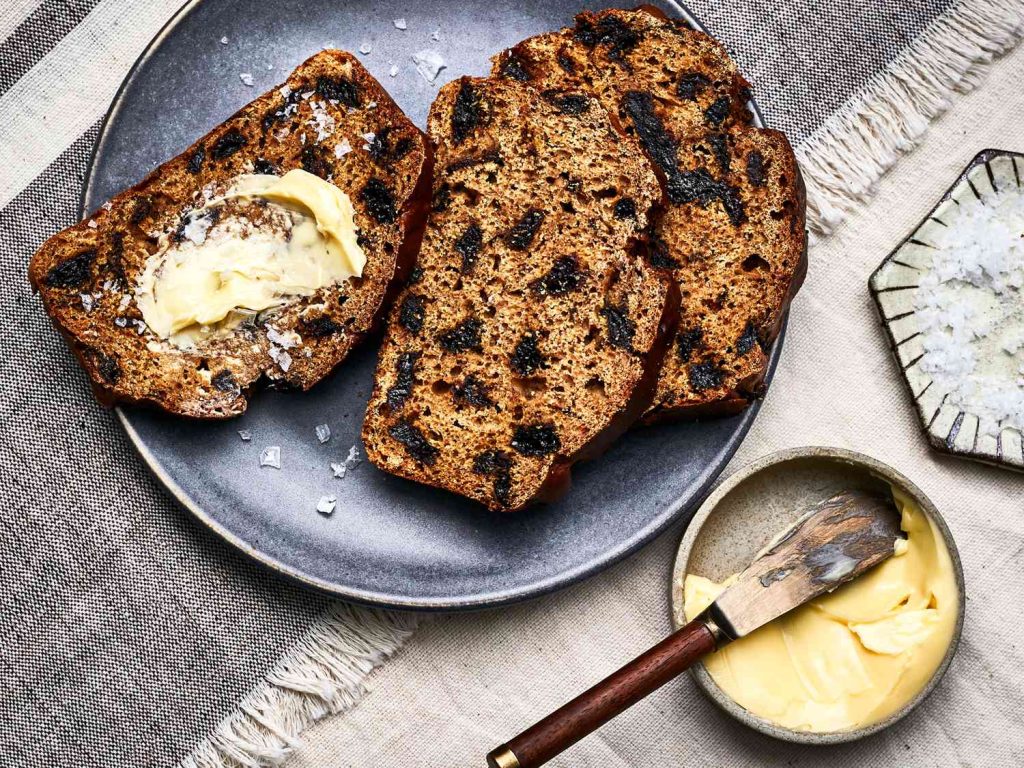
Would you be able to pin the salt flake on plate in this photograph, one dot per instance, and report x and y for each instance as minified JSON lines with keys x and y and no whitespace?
{"x":326,"y":505}
{"x":246,"y":78}
{"x":429,"y":63}
{"x":271,"y":457}
{"x":365,"y":48}
{"x":393,"y":72}
{"x":323,"y":433}
{"x":400,"y":24}
{"x":353,"y":456}
{"x":245,"y":434}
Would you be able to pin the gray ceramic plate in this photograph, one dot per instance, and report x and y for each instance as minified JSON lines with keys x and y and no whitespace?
{"x":390,"y":542}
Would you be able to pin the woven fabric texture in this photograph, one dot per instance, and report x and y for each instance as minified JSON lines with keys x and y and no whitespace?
{"x":127,"y":631}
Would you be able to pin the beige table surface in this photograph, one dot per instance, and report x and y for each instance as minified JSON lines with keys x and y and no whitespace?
{"x":465,"y":683}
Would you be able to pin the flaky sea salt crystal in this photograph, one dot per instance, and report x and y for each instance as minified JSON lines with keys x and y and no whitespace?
{"x":122,"y":305}
{"x":326,"y":505}
{"x":271,"y":456}
{"x":342,"y":148}
{"x":339,"y":469}
{"x":429,"y":63}
{"x":365,"y":48}
{"x":88,"y":302}
{"x":1013,"y":341}
{"x":286,"y":340}
{"x":281,"y":357}
{"x":245,"y":434}
{"x":400,"y":24}
{"x":970,"y":308}
{"x":246,"y":78}
{"x":393,"y":72}
{"x":321,"y":120}
{"x":436,"y":35}
{"x":224,"y":40}
{"x":323,"y":433}
{"x":92,"y":224}
{"x":369,"y":137}
{"x":121,"y":322}
{"x":285,"y":91}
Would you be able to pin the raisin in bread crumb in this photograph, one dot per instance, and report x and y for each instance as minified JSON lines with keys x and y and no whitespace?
{"x":533,"y":330}
{"x":86,"y":274}
{"x":732,"y":234}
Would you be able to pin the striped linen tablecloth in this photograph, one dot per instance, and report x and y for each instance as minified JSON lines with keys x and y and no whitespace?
{"x":129,"y":636}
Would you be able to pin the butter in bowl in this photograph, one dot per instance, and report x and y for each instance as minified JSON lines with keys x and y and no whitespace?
{"x":852,"y":661}
{"x":842,"y":610}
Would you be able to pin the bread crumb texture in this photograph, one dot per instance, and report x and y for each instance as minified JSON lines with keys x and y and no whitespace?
{"x":733,"y":233}
{"x":329,"y":101}
{"x":532,"y":316}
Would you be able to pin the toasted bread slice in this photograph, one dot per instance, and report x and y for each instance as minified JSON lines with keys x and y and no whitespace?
{"x":532,"y":331}
{"x":732,"y":235}
{"x":88,"y":275}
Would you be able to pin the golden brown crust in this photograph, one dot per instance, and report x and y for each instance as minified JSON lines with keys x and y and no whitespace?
{"x":86,"y":274}
{"x":531,"y":335}
{"x":732,"y":235}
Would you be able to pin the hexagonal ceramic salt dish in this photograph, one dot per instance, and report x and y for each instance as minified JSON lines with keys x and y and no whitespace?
{"x":948,"y":428}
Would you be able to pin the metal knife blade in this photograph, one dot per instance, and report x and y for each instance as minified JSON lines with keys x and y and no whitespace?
{"x":833,"y":542}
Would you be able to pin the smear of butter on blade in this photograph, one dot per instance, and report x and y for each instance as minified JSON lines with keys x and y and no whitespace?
{"x":227,"y":267}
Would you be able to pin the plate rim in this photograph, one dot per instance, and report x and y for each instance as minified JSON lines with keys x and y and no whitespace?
{"x":669,"y":515}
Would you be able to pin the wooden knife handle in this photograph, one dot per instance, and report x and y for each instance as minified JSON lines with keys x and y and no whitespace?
{"x":617,"y":692}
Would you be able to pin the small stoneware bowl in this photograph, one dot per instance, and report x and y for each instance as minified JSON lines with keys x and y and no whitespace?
{"x":754,"y":504}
